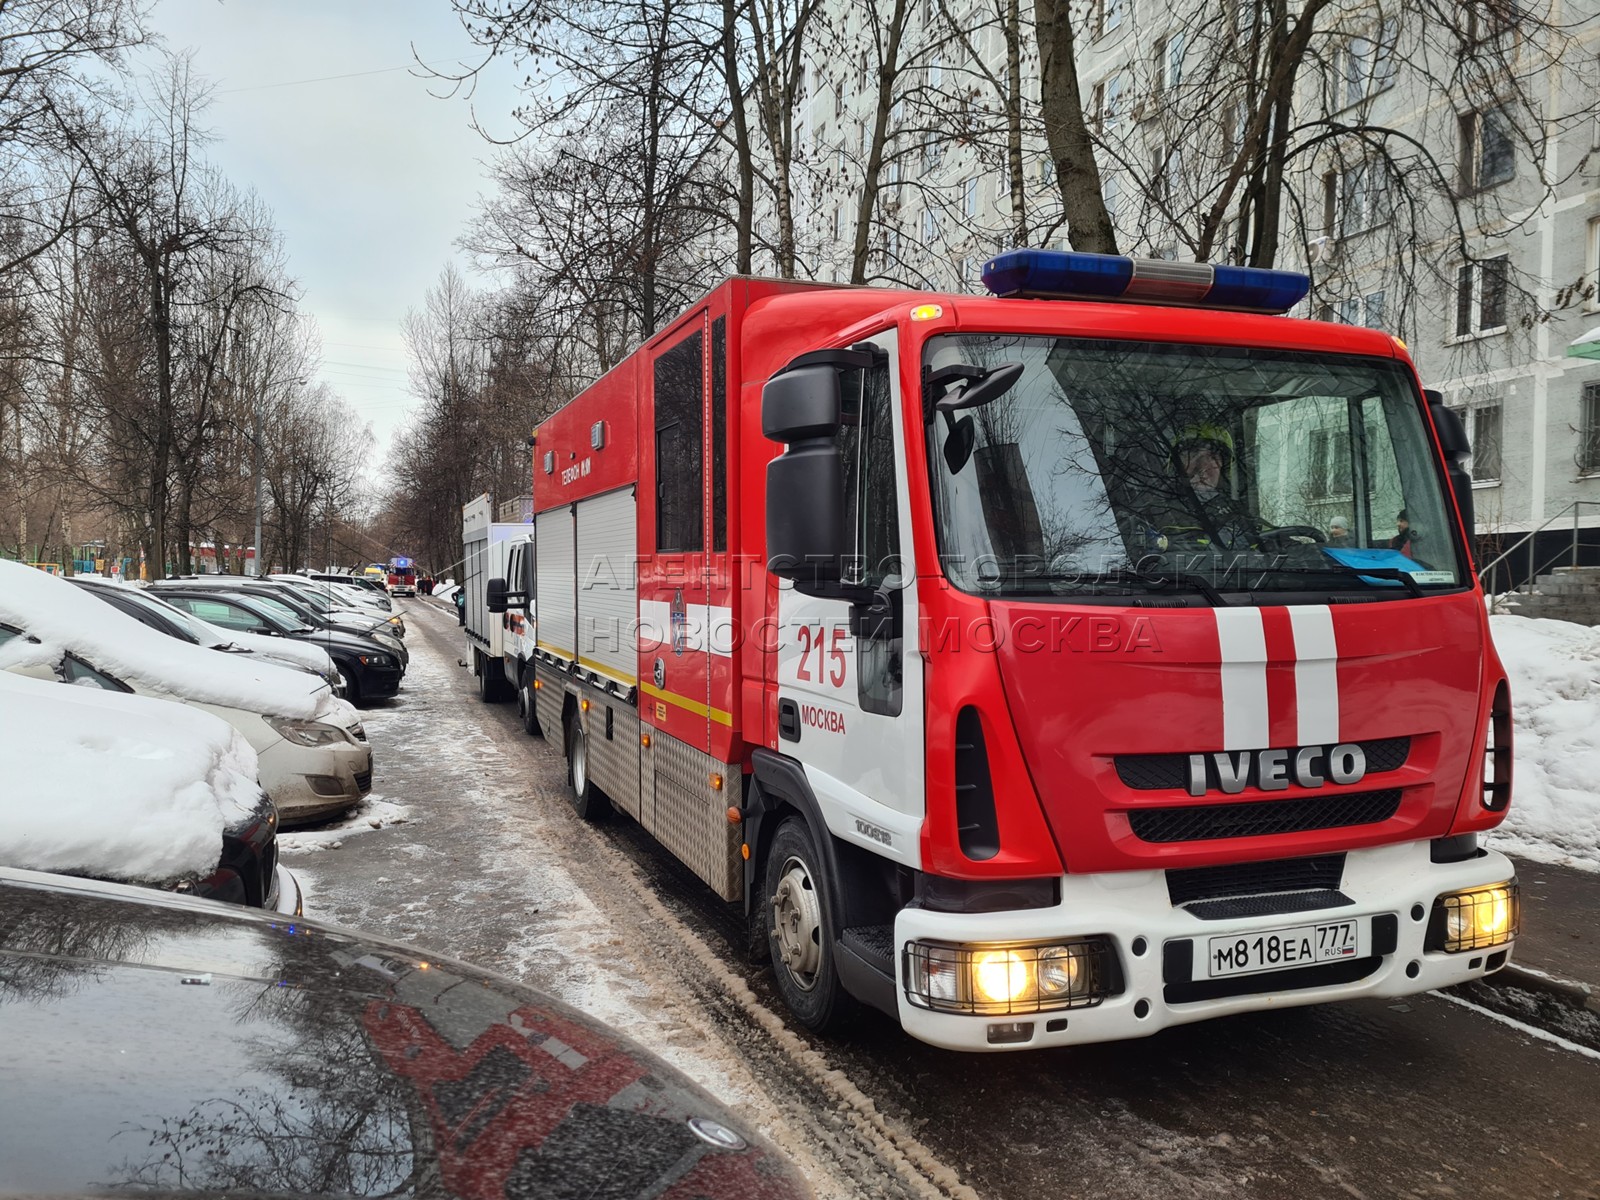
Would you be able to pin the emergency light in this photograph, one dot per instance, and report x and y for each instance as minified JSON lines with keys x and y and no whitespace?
{"x":1071,"y":275}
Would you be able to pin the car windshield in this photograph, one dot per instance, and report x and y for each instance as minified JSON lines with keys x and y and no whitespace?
{"x":196,"y":630}
{"x":1112,"y":467}
{"x":310,"y":598}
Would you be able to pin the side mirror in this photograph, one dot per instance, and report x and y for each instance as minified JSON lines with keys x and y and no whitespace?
{"x":497,"y":595}
{"x":801,"y":406}
{"x":1457,"y":449}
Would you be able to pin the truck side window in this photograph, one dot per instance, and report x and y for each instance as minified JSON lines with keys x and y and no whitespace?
{"x":872,"y":510}
{"x":680,"y":426}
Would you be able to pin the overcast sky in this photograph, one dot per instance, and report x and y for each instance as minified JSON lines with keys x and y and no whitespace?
{"x":369,"y":177}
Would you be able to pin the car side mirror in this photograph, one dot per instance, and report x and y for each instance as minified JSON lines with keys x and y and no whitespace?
{"x":497,"y":595}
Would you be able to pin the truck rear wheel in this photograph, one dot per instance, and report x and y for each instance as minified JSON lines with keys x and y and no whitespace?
{"x":799,"y":907}
{"x":491,"y":686}
{"x":589,"y":801}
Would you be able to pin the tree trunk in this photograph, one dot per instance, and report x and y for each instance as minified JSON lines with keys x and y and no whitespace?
{"x":1067,"y":133}
{"x":1013,"y":98}
{"x":744,"y":215}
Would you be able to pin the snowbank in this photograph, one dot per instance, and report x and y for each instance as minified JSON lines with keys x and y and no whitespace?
{"x":116,"y":786}
{"x":1554,"y":667}
{"x":66,"y":619}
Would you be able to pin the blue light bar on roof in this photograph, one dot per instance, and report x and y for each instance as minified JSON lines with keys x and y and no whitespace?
{"x":1071,"y":275}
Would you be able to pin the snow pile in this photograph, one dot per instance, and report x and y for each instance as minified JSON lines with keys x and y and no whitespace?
{"x":373,"y":813}
{"x":66,"y":619}
{"x":446,"y":590}
{"x":116,"y":786}
{"x":1554,"y":668}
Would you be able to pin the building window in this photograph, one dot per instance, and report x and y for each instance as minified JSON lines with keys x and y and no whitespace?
{"x":1112,"y":186}
{"x":1330,"y":463}
{"x":1365,"y":64}
{"x":1589,"y":431}
{"x":1591,"y":277}
{"x":1355,"y":199}
{"x":1238,"y":125}
{"x":935,"y":75}
{"x":1486,"y":20}
{"x":1109,"y":95}
{"x":1164,"y":171}
{"x":930,"y":226}
{"x":1372,"y":305}
{"x":1486,"y":442}
{"x":1481,"y":296}
{"x":1169,"y":63}
{"x":1487,"y":155}
{"x":1109,"y":15}
{"x":932,"y":153}
{"x":969,"y":197}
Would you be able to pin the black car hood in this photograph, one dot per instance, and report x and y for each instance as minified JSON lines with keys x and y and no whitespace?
{"x":337,"y":639}
{"x":173,"y":1047}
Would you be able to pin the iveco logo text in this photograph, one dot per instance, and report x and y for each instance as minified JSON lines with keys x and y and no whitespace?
{"x":1275,"y":770}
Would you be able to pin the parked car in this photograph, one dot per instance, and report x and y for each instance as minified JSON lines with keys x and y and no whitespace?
{"x":314,"y":758}
{"x":174,"y":622}
{"x":370,"y":670}
{"x":346,"y":586}
{"x":141,"y":791}
{"x":311,"y":614}
{"x":159,"y":1046}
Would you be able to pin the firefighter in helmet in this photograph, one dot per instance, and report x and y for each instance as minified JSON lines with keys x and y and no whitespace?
{"x":1200,"y":512}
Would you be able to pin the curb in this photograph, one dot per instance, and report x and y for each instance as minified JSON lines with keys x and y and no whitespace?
{"x":1574,"y":995}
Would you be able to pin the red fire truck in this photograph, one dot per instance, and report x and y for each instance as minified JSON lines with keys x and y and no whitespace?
{"x":997,"y":655}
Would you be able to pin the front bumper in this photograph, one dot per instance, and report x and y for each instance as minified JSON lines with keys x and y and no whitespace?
{"x":309,"y":782}
{"x":286,"y":898}
{"x":1394,"y":885}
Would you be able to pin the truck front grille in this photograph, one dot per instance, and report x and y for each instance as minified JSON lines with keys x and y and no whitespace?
{"x":1161,"y":772}
{"x":1203,"y":822}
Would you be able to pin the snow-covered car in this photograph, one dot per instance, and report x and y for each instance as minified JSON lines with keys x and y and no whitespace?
{"x":173,"y":621}
{"x":110,"y":786}
{"x":346,"y":588}
{"x":314,"y":759}
{"x":156,"y":1046}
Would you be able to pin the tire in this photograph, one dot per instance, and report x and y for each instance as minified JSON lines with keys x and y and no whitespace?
{"x":491,"y":687}
{"x":798,"y":906}
{"x":352,"y":689}
{"x":587,"y":799}
{"x":526,"y":708}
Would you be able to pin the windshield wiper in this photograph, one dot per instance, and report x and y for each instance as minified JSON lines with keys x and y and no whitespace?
{"x":1395,"y":573}
{"x":1150,"y":583}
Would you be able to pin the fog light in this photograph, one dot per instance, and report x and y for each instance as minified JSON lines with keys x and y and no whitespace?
{"x":1010,"y":1033}
{"x":991,"y":980}
{"x":1475,"y":919}
{"x":326,"y":785}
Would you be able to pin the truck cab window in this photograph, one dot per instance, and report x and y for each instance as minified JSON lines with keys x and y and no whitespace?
{"x":680,"y":425}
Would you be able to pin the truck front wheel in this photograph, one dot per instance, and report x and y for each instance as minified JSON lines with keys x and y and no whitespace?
{"x":799,"y":907}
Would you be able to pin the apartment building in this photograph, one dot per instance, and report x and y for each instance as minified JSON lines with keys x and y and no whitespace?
{"x":1444,"y":185}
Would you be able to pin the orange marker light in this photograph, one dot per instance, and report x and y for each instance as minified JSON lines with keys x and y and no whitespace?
{"x":926,"y":312}
{"x":716,"y":782}
{"x":537,"y":685}
{"x":745,"y":849}
{"x":583,"y":704}
{"x":644,"y":740}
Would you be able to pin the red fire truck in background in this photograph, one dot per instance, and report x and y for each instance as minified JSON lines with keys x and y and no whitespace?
{"x":402,"y":577}
{"x":995,"y":652}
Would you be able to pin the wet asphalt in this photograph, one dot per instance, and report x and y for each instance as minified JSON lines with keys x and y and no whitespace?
{"x":1426,"y":1097}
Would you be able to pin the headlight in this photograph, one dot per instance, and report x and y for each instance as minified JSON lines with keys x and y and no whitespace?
{"x":1475,"y":919}
{"x":990,"y":980}
{"x":375,"y":660}
{"x":307,"y":733}
{"x":384,"y":639}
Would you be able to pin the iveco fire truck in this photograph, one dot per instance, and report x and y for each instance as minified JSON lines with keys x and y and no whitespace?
{"x":997,"y":655}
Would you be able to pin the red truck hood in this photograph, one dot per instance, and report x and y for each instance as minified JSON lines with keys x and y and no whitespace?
{"x":1110,"y":704}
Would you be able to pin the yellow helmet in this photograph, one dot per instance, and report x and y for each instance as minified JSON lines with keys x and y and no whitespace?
{"x":1204,"y":433}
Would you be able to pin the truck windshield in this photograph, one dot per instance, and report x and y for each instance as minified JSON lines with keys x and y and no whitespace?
{"x":1121,"y":468}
